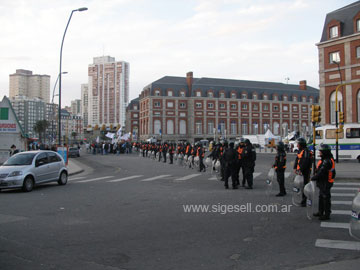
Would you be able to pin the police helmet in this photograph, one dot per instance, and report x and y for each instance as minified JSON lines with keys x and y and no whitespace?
{"x":324,"y":148}
{"x":231,"y":144}
{"x":242,"y":140}
{"x":280,"y":146}
{"x":247,"y":141}
{"x":301,"y":141}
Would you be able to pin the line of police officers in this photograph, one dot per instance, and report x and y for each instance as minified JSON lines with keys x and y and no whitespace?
{"x":243,"y":156}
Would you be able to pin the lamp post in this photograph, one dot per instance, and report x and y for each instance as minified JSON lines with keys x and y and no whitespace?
{"x":53,"y":107}
{"x":337,"y":114}
{"x":62,"y":43}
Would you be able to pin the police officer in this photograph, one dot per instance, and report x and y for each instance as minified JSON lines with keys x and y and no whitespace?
{"x":230,"y":158}
{"x":171,"y":152}
{"x":324,"y":177}
{"x":240,"y":149}
{"x":280,"y":166}
{"x":200,"y":152}
{"x":302,"y":164}
{"x":222,"y":149}
{"x":248,"y":161}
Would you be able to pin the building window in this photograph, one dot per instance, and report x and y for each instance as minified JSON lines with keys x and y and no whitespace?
{"x":198,"y":105}
{"x":276,"y":128}
{"x":170,"y":93}
{"x":182,"y":94}
{"x":244,"y":106}
{"x":233,"y":106}
{"x":358,"y":52}
{"x":170,"y":127}
{"x":198,"y":126}
{"x":157,"y":93}
{"x":295,"y":98}
{"x":255,"y":107}
{"x":210,"y":105}
{"x":170,"y":104}
{"x":265,"y":97}
{"x":4,"y":113}
{"x":182,"y":105}
{"x":182,"y":125}
{"x":244,"y":129}
{"x":222,"y":105}
{"x":222,"y":127}
{"x":266,"y":107}
{"x":285,"y":98}
{"x":244,"y":96}
{"x":135,"y":115}
{"x":233,"y":95}
{"x":304,"y":109}
{"x":275,"y":97}
{"x":198,"y":94}
{"x":222,"y":95}
{"x":254,"y":96}
{"x":157,"y":127}
{"x":358,"y":25}
{"x":334,"y":32}
{"x":285,"y":108}
{"x":233,"y":128}
{"x":295,"y":109}
{"x":135,"y":107}
{"x":210,"y":94}
{"x":211,"y":127}
{"x":332,"y":105}
{"x":303,"y":99}
{"x":255,"y":128}
{"x":157,"y":104}
{"x":334,"y":57}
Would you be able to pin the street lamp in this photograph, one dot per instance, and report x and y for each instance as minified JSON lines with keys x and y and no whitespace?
{"x":62,"y":43}
{"x":337,"y":114}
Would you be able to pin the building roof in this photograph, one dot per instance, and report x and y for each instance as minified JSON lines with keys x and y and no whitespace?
{"x":229,"y":85}
{"x":345,"y":15}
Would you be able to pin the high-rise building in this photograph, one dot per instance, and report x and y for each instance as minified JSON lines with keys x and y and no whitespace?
{"x":76,"y":107}
{"x":339,"y":62}
{"x":108,"y":91}
{"x":24,"y":83}
{"x":85,"y":103}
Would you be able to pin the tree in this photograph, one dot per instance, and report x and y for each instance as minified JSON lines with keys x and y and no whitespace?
{"x":40,"y":128}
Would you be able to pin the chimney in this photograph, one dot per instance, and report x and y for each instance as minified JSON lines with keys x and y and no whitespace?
{"x":189,"y":80}
{"x":302,"y":85}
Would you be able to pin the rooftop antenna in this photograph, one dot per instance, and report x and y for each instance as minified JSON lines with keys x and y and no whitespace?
{"x":287,"y":80}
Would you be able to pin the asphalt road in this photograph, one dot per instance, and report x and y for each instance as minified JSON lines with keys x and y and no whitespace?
{"x":109,"y":218}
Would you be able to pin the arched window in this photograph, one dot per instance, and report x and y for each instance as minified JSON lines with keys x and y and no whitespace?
{"x":332,"y":105}
{"x":285,"y":129}
{"x":303,"y":129}
{"x":157,"y":127}
{"x":170,"y":127}
{"x":244,"y":128}
{"x":255,"y":128}
{"x":276,"y":128}
{"x":182,"y":127}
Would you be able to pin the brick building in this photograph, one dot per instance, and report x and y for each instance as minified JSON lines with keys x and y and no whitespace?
{"x":340,"y":43}
{"x":187,"y":108}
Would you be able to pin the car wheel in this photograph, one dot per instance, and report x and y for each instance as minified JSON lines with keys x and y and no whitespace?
{"x":28,"y":184}
{"x":63,"y":179}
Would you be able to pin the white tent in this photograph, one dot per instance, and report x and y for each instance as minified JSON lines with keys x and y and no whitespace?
{"x":269,"y":135}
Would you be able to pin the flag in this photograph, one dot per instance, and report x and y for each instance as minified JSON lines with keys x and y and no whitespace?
{"x":110,"y":135}
{"x":97,"y":139}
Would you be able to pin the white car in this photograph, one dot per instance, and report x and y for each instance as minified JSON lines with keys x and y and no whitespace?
{"x":27,"y":169}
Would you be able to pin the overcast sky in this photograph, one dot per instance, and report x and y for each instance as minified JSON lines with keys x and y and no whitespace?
{"x":264,"y":40}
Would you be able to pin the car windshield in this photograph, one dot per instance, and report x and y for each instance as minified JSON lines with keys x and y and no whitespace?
{"x":20,"y":159}
{"x":73,"y":149}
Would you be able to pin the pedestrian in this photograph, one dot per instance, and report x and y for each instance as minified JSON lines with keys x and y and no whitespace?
{"x":200,"y":152}
{"x":280,"y":166}
{"x":324,"y":177}
{"x":240,"y":149}
{"x":13,"y":150}
{"x":248,"y":160}
{"x":302,"y":165}
{"x":230,"y":158}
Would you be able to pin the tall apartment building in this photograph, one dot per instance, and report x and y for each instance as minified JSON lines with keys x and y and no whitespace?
{"x":187,"y":108}
{"x":108,"y":91}
{"x":339,"y":62}
{"x":85,"y":104}
{"x":24,"y":83}
{"x":76,"y":107}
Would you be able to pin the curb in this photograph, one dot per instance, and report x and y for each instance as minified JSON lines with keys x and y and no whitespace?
{"x":77,"y":172}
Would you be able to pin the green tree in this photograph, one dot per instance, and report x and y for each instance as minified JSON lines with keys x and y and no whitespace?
{"x":40,"y":128}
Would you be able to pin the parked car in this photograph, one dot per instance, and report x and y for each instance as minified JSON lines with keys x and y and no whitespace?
{"x":74,"y":152}
{"x":27,"y":169}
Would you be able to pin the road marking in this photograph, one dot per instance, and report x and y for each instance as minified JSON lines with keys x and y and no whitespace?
{"x":125,"y":178}
{"x":345,"y":188}
{"x":341,"y":212}
{"x":335,"y":225}
{"x":287,"y":174}
{"x":94,"y":179}
{"x":256,"y":174}
{"x":346,"y":184}
{"x":155,"y":177}
{"x":188,"y":177}
{"x":213,"y":178}
{"x":327,"y":243}
{"x":343,"y":194}
{"x":342,"y":202}
{"x":10,"y":218}
{"x":77,"y":178}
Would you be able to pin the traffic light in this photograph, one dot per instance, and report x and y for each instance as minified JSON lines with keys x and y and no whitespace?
{"x":341,"y":122}
{"x":315,"y":113}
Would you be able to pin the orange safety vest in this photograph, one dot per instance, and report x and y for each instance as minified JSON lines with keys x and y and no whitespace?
{"x":284,"y":167}
{"x":197,"y":153}
{"x":330,"y":175}
{"x":299,"y":156}
{"x":187,"y":149}
{"x":240,"y":150}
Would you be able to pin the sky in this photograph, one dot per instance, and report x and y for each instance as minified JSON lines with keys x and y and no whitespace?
{"x":262,"y":40}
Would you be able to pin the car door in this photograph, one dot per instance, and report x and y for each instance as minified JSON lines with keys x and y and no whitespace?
{"x":54,"y":165}
{"x":41,"y":168}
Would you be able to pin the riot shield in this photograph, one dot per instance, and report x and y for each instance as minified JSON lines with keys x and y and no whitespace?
{"x":197,"y":162}
{"x":208,"y":162}
{"x":217,"y":167}
{"x":180,"y":159}
{"x":354,"y":228}
{"x":168,"y":158}
{"x":298,"y":187}
{"x":191,"y":162}
{"x":270,"y":181}
{"x":310,"y":192}
{"x":175,"y":157}
{"x":140,"y":152}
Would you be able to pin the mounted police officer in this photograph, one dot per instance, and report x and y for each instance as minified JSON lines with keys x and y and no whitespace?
{"x":324,"y":177}
{"x":230,"y":158}
{"x":280,"y":166}
{"x":302,"y":164}
{"x":248,"y":161}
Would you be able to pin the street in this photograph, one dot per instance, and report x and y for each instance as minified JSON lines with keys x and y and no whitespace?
{"x":130,"y":212}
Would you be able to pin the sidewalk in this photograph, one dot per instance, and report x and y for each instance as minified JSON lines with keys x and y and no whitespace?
{"x":347,"y":264}
{"x":74,"y":167}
